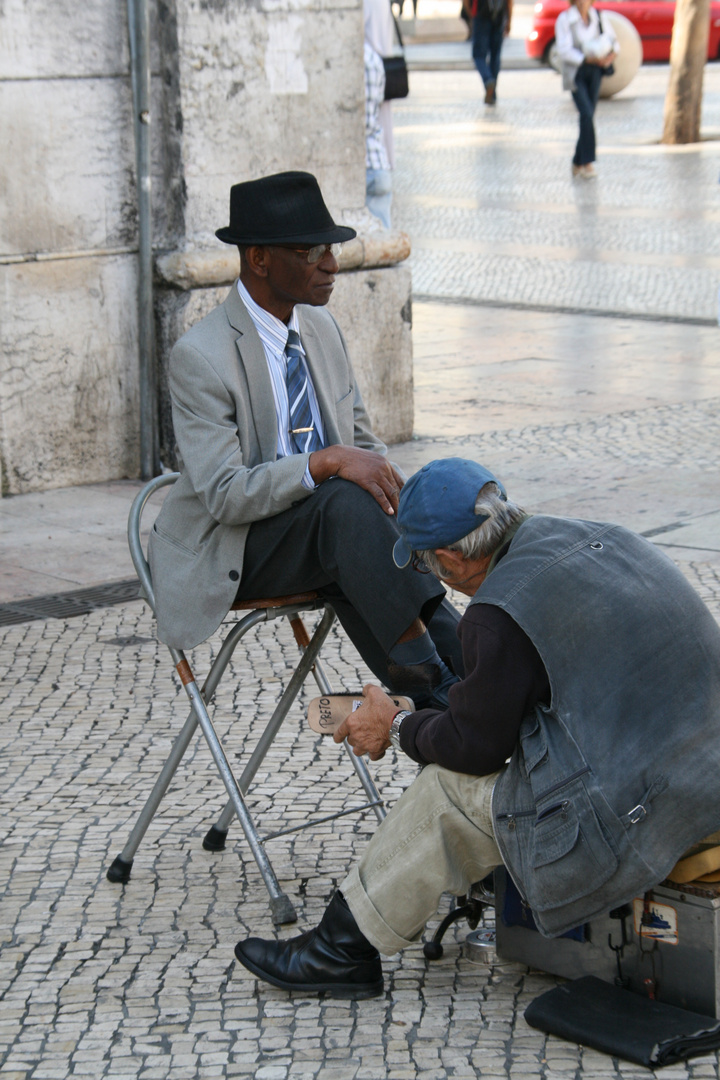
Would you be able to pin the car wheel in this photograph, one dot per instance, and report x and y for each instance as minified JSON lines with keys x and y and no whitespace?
{"x":550,"y":56}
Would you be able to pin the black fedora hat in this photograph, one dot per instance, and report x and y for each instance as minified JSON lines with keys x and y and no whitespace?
{"x":286,"y":208}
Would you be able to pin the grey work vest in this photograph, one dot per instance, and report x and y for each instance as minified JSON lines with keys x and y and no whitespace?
{"x":611,"y":783}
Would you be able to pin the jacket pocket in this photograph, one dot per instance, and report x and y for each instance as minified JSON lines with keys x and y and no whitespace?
{"x":178,"y":544}
{"x":569,"y":854}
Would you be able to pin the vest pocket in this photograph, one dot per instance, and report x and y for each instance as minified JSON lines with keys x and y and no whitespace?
{"x":533,"y":743}
{"x":568,"y":852}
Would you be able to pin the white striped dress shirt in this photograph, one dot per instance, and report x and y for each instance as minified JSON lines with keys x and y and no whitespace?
{"x":273,"y":335}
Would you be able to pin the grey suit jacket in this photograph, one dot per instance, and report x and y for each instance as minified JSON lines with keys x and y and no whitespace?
{"x":226,"y":430}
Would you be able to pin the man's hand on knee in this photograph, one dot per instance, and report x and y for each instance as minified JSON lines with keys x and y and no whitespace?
{"x":367,"y":729}
{"x":368,"y":470}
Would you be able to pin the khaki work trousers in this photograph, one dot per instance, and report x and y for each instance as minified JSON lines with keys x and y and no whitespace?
{"x":437,"y":838}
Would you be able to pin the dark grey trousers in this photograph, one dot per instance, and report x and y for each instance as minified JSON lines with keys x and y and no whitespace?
{"x":339,"y":543}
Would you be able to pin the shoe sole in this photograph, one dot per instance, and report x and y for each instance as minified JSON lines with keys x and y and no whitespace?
{"x":335,"y":990}
{"x":327,"y":713}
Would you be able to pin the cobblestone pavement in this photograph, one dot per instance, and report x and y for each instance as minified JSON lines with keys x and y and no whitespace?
{"x":607,"y":417}
{"x":487,"y":197}
{"x":140,"y":981}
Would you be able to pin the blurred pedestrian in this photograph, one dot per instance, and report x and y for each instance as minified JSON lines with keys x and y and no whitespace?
{"x":465,"y":16}
{"x":380,"y":35}
{"x":587,"y":46}
{"x":378,"y":176}
{"x":490,"y":25}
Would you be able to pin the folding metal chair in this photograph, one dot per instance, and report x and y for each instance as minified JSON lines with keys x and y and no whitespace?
{"x":258,"y":611}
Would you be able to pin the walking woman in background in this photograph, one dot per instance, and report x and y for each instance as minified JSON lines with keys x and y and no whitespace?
{"x":586,"y":44}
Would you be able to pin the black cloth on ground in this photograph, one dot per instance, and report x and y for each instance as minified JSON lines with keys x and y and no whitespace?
{"x":623,"y":1024}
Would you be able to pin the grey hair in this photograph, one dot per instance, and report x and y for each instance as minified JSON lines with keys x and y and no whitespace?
{"x":483,"y":541}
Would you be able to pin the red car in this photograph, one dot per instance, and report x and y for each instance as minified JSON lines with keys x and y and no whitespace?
{"x":653,"y":20}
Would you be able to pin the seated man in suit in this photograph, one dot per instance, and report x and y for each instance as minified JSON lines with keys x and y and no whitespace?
{"x":284,"y":487}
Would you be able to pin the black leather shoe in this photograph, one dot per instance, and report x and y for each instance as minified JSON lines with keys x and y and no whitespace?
{"x":335,"y":958}
{"x":416,"y":681}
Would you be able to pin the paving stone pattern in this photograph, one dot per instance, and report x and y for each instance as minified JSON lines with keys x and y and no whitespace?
{"x":139,"y":982}
{"x":487,"y":197}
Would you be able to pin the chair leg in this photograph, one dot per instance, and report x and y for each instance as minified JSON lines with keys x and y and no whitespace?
{"x":215,"y":837}
{"x":280,"y":904}
{"x":119,"y":869}
{"x":358,"y":763}
{"x":433,"y":950}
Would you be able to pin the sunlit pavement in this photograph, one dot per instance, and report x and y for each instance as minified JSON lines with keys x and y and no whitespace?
{"x":612,"y":415}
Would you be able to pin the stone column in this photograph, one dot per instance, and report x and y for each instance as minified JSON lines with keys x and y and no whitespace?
{"x":241,"y":88}
{"x":68,"y":365}
{"x":256,"y":88}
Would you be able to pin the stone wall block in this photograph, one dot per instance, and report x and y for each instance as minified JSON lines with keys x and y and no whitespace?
{"x":51,"y":38}
{"x":372,"y":308}
{"x":263,"y":93}
{"x":68,"y":165}
{"x":68,"y":373}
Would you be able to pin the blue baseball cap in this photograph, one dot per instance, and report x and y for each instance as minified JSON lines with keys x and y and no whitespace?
{"x":437,"y":506}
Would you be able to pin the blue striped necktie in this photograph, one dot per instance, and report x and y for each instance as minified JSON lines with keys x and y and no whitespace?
{"x":302,"y":428}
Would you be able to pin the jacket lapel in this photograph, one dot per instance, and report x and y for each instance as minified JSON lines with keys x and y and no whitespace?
{"x":252,"y":360}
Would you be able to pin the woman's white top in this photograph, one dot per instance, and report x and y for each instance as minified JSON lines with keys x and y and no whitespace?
{"x":571,"y":34}
{"x":573,"y":39}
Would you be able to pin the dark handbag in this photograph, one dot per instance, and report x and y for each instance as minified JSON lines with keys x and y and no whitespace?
{"x":610,"y":69}
{"x":396,"y":77}
{"x":618,"y":1022}
{"x":396,"y":73}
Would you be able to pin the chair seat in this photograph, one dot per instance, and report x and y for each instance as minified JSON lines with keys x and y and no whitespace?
{"x":274,"y":601}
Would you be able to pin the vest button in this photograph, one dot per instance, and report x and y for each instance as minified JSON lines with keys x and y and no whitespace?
{"x":233,"y":575}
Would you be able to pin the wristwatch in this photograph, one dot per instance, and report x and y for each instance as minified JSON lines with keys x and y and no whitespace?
{"x":394,"y":733}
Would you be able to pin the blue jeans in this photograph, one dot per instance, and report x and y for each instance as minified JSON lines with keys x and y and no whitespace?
{"x":585,"y":96}
{"x":378,"y":193}
{"x":487,"y":39}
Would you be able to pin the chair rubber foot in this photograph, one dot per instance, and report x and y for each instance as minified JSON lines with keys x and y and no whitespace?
{"x":282,"y":910}
{"x":119,"y":871}
{"x":433,"y":950}
{"x":215,"y":839}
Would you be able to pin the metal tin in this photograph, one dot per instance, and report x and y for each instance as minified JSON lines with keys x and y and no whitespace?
{"x":480,"y":947}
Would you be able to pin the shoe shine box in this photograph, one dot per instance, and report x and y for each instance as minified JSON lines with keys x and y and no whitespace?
{"x":665,"y":944}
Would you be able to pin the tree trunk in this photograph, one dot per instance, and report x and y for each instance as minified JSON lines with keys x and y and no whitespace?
{"x":688,"y":53}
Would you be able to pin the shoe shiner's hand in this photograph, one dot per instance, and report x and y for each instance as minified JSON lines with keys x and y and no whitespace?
{"x":367,"y":729}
